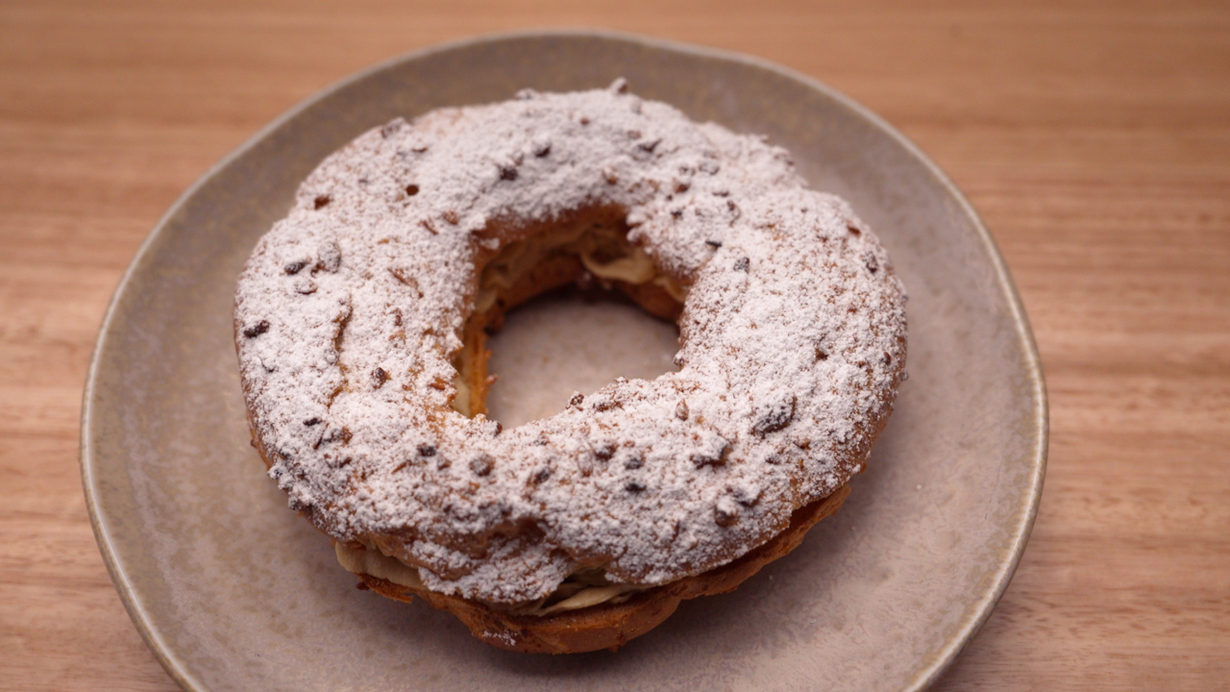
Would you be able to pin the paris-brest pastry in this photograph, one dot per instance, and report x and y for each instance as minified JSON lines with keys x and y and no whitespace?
{"x":361,"y":319}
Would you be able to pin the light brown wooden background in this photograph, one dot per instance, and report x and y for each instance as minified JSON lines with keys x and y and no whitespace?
{"x":1093,"y":137}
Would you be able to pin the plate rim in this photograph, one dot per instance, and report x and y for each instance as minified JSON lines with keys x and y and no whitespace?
{"x":1030,"y":498}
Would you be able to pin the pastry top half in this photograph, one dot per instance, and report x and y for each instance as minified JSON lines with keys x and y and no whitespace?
{"x":350,"y":317}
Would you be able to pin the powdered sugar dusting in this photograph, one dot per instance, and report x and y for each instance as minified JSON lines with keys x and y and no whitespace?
{"x":349,"y":311}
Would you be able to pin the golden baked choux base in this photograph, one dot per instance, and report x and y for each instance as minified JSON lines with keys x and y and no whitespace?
{"x":610,"y":626}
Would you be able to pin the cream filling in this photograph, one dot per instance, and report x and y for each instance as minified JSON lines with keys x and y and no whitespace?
{"x":377,"y":564}
{"x":573,"y":594}
{"x":603,"y":249}
{"x":461,"y":401}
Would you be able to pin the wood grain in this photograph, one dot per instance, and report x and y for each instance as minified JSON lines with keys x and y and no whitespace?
{"x":1093,"y":137}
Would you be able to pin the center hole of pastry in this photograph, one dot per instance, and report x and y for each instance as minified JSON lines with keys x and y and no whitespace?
{"x":572,"y":341}
{"x":566,"y":306}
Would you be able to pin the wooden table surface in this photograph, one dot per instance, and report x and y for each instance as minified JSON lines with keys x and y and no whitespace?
{"x":1093,"y":137}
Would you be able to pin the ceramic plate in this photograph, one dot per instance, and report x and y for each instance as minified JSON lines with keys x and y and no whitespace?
{"x":233,"y":591}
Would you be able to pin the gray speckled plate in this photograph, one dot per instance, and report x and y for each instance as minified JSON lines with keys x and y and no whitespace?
{"x":233,"y":591}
